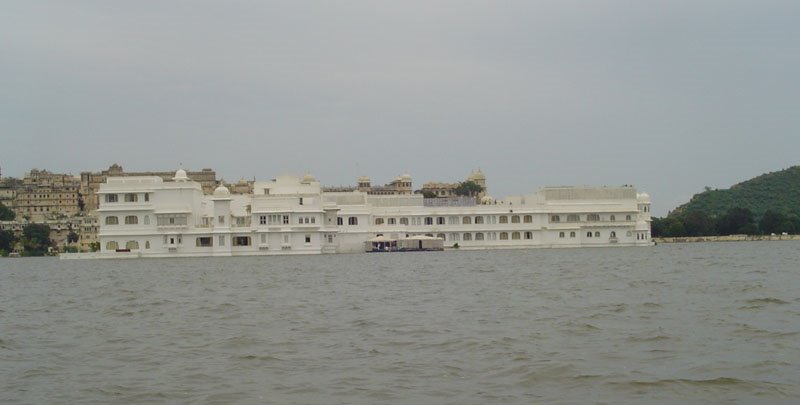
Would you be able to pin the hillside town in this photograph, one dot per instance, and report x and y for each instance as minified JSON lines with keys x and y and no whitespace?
{"x":65,"y":205}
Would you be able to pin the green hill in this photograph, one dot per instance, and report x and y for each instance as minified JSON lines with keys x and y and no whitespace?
{"x":777,"y":191}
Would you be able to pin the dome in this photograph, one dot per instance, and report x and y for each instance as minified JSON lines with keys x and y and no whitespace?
{"x":405,"y":177}
{"x":221,"y":190}
{"x":643,"y":197}
{"x":486,"y":200}
{"x":363,"y":179}
{"x":180,"y":175}
{"x":308,"y":178}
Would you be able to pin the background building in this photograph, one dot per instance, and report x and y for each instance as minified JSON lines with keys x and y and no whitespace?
{"x":44,"y":195}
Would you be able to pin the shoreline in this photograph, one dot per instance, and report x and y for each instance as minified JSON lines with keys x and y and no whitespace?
{"x":727,"y":238}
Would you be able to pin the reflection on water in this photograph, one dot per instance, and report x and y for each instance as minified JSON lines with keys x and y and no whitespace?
{"x":674,"y":323}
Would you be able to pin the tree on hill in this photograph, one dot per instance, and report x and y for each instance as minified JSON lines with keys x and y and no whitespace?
{"x":6,"y":241}
{"x":737,"y":221}
{"x":36,"y":239}
{"x":6,"y":214}
{"x":776,"y":222}
{"x":468,"y":188}
{"x":698,"y":223}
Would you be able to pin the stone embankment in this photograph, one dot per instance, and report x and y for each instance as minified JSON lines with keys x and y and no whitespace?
{"x":728,"y":238}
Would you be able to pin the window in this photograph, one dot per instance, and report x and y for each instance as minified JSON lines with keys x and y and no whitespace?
{"x":555,"y":218}
{"x":147,"y":219}
{"x":403,"y":221}
{"x":561,"y":234}
{"x":440,"y":220}
{"x":131,"y":197}
{"x":330,"y":238}
{"x":147,"y":198}
{"x":111,"y":198}
{"x":220,"y":220}
{"x":528,"y":235}
{"x":613,"y":234}
{"x":313,"y":220}
{"x":455,"y":236}
{"x":308,"y":238}
{"x":378,"y":221}
{"x":589,"y":234}
{"x":262,"y":219}
{"x":131,"y":220}
{"x":147,"y":242}
{"x":515,"y":219}
{"x":222,"y":240}
{"x":286,"y":220}
{"x":301,"y":200}
{"x":339,"y":221}
{"x":466,"y":220}
{"x":612,"y":218}
{"x":112,"y":220}
{"x":478,"y":220}
{"x":573,"y":218}
{"x":204,"y":241}
{"x":593,"y":217}
{"x":515,"y":236}
{"x":627,"y":217}
{"x":112,"y":245}
{"x":428,"y":220}
{"x":479,"y":236}
{"x":503,"y":219}
{"x":597,"y":234}
{"x":503,"y":235}
{"x":572,"y":234}
{"x":441,"y":236}
{"x":285,"y":239}
{"x":467,"y":236}
{"x":391,"y":221}
{"x":300,"y":220}
{"x":241,"y":241}
{"x":352,"y":221}
{"x":528,"y":219}
{"x":263,"y":238}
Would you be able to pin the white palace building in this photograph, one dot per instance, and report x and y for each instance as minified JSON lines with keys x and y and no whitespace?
{"x":150,"y":217}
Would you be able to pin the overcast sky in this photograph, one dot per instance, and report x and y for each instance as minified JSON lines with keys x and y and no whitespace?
{"x":669,"y":96}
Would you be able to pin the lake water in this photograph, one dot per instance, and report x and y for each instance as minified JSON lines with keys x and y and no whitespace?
{"x":696,"y":323}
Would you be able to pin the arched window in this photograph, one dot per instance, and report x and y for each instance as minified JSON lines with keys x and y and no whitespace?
{"x":112,"y":245}
{"x":147,"y":219}
{"x":589,"y":234}
{"x":503,"y":219}
{"x":528,"y":219}
{"x":529,"y":235}
{"x":627,"y":217}
{"x":112,"y":221}
{"x":428,"y":220}
{"x":441,"y":236}
{"x":572,"y":234}
{"x":613,"y":234}
{"x":573,"y":218}
{"x":132,"y":245}
{"x":339,"y":221}
{"x":403,"y":221}
{"x":612,"y":218}
{"x":555,"y":218}
{"x":440,"y":221}
{"x":593,"y":217}
{"x":466,"y":220}
{"x":515,"y":236}
{"x":467,"y":236}
{"x":352,"y":221}
{"x":515,"y":219}
{"x":131,"y":220}
{"x":147,"y":242}
{"x":391,"y":221}
{"x":597,"y":234}
{"x":503,"y":235}
{"x":478,"y":220}
{"x":478,"y":236}
{"x":378,"y":221}
{"x":561,"y":234}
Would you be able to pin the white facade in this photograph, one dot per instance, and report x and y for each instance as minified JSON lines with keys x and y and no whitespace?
{"x":148,"y":217}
